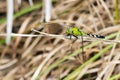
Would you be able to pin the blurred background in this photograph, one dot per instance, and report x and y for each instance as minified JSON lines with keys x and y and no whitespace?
{"x":48,"y":55}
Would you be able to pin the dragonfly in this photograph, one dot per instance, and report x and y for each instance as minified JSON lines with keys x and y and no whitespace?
{"x":76,"y":32}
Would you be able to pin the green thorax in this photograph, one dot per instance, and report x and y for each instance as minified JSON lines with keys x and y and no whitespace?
{"x":75,"y":31}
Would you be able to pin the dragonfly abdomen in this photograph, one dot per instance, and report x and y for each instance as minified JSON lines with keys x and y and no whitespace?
{"x":95,"y":36}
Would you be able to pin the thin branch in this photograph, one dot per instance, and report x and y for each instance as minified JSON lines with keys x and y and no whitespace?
{"x":64,"y":37}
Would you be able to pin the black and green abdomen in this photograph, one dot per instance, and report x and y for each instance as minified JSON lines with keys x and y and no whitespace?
{"x":96,"y":36}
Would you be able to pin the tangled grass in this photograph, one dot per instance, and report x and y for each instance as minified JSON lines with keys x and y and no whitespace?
{"x":47,"y":54}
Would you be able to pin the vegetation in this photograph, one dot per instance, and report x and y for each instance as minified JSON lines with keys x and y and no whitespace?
{"x":50,"y":48}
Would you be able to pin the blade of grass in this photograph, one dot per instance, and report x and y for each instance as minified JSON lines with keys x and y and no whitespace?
{"x":23,"y":11}
{"x":2,"y":41}
{"x":115,"y":77}
{"x":77,"y":71}
{"x":116,"y":11}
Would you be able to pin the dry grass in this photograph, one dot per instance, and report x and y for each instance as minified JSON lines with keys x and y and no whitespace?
{"x":48,"y":54}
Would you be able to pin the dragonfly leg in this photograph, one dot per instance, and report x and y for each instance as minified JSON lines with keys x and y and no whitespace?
{"x":69,"y":35}
{"x":82,"y":57}
{"x":75,"y":36}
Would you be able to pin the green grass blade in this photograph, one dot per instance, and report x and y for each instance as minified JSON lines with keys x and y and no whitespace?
{"x":2,"y":41}
{"x":77,"y":71}
{"x":23,"y":11}
{"x":115,"y":77}
{"x":116,"y":11}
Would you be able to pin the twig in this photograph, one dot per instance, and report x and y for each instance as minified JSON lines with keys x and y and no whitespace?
{"x":64,"y":37}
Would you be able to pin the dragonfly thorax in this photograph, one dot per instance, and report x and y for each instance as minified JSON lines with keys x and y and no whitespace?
{"x":75,"y":31}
